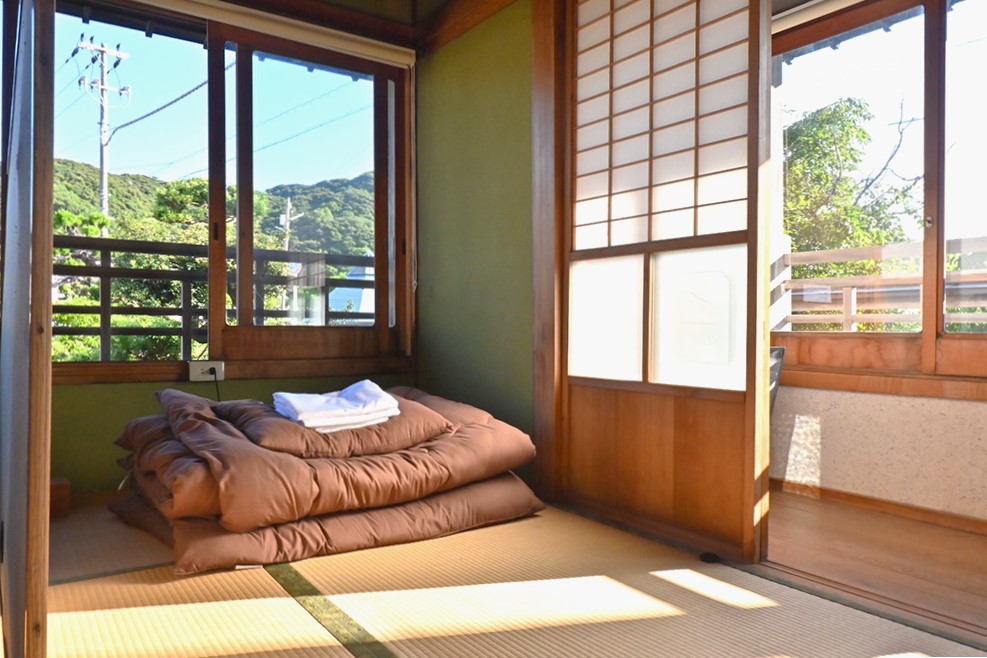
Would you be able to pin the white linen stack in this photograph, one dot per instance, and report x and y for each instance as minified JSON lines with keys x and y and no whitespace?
{"x":360,"y":405}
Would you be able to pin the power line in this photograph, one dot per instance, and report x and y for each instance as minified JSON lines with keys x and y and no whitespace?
{"x":306,"y":102}
{"x":186,"y":156}
{"x":165,"y":106}
{"x":290,"y":137}
{"x":65,"y":109}
{"x":84,"y":138}
{"x":315,"y":127}
{"x":69,"y":84}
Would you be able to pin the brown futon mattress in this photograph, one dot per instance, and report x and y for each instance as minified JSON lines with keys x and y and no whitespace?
{"x":240,"y":484}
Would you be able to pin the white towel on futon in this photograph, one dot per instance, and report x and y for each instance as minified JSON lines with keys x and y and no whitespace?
{"x":361,"y":403}
{"x":349,"y":424}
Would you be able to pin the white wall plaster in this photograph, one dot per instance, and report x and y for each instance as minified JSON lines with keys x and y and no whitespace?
{"x":925,"y":452}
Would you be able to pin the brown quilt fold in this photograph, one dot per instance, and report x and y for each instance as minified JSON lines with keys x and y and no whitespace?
{"x":256,"y":487}
{"x":202,"y":544}
{"x":269,"y":429}
{"x":459,"y":413}
{"x":172,"y":477}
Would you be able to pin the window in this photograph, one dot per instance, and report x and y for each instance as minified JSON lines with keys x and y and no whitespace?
{"x":965,"y":267}
{"x":316,"y":166}
{"x":255,"y":207}
{"x":852,"y":110}
{"x":881,"y":195}
{"x":130,"y":217}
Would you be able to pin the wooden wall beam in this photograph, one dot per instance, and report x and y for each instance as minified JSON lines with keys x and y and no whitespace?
{"x":338,"y":18}
{"x":548,"y":137}
{"x":453,"y":20}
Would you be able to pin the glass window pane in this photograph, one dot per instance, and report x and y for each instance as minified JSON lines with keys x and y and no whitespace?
{"x":852,"y":109}
{"x":130,"y":192}
{"x":606,"y":316}
{"x":232,"y":198}
{"x":314,"y":186}
{"x":699,"y":328}
{"x":966,"y":143}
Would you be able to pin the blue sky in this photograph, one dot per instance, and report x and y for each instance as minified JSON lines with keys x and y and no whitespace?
{"x":309,"y":125}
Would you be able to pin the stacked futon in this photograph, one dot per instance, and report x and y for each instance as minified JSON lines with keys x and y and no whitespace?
{"x":238,"y":483}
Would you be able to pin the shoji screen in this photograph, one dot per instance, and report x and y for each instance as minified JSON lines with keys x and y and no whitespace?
{"x":664,"y":409}
{"x":661,"y":155}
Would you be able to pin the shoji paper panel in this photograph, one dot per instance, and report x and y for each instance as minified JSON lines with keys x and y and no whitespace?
{"x":661,"y":120}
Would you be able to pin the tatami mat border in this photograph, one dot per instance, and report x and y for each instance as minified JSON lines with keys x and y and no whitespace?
{"x":344,"y":628}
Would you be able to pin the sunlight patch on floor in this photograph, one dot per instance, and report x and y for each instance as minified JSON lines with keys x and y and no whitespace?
{"x":715,"y":589}
{"x":499,"y":607}
{"x":220,"y":628}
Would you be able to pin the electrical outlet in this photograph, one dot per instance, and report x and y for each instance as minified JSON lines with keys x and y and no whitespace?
{"x":205,"y":371}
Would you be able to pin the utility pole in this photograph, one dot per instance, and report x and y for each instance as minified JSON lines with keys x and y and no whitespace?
{"x":102,"y":86}
{"x":285,"y":221}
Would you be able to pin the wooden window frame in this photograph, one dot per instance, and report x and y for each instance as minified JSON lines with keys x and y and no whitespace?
{"x":931,"y":362}
{"x":264,"y":352}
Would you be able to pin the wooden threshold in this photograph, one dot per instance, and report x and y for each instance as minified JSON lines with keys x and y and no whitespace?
{"x":925,"y":575}
{"x":924,"y":514}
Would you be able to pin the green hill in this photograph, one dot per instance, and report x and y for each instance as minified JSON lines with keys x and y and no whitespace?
{"x":77,"y":190}
{"x":335,"y":214}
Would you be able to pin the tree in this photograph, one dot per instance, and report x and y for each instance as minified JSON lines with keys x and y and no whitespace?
{"x":830,"y":203}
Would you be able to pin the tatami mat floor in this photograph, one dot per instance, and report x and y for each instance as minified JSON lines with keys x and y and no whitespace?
{"x":553,"y":585}
{"x":92,"y":542}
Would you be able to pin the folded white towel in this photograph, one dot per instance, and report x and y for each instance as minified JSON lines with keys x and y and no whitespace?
{"x":329,"y":429}
{"x":364,"y":399}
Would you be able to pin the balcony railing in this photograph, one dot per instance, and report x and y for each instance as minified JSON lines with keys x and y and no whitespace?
{"x":849,"y":301}
{"x":311,"y":271}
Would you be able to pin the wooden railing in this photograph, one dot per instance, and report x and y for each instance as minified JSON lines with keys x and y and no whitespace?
{"x":190,"y":320}
{"x":846,"y":302}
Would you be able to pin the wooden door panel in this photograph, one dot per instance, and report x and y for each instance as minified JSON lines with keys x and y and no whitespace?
{"x":709,"y":454}
{"x":675,"y":460}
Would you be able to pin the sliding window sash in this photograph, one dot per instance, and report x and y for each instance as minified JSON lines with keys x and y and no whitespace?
{"x":924,"y":364}
{"x":248,"y":340}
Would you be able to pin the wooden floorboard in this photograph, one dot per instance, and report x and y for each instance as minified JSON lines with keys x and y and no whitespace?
{"x":932,"y":572}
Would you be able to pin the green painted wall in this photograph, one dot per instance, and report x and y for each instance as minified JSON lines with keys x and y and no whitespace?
{"x":474,"y":217}
{"x":86,"y":419}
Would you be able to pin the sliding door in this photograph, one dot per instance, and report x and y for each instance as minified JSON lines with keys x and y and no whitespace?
{"x":665,"y":343}
{"x":25,"y":338}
